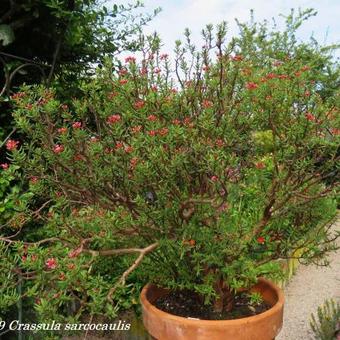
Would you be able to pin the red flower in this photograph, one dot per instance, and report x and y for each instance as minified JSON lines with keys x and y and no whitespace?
{"x":42,"y":101}
{"x":119,"y":145}
{"x":76,"y":125}
{"x":111,"y":95}
{"x":191,"y":242}
{"x":335,"y":131}
{"x":133,"y":162}
{"x":130,"y":59}
{"x":139,"y":104}
{"x":71,"y":266}
{"x":128,"y":149}
{"x":136,"y":129}
{"x":51,"y":263}
{"x":310,"y":117}
{"x":50,"y":214}
{"x":164,"y":56}
{"x":305,"y":68}
{"x":62,"y":130}
{"x":224,"y":206}
{"x":152,"y":133}
{"x":74,"y":252}
{"x":154,"y":88}
{"x":176,"y":122}
{"x":307,"y":93}
{"x":260,"y":165}
{"x":187,"y":122}
{"x":18,"y":95}
{"x":78,"y":157}
{"x":219,"y":143}
{"x":282,"y":76}
{"x":122,"y":71}
{"x":207,"y":104}
{"x":75,"y":212}
{"x":11,"y":144}
{"x":62,"y":277}
{"x":5,"y":166}
{"x":123,"y":81}
{"x":214,"y":178}
{"x":23,"y":258}
{"x":251,"y":86}
{"x":164,"y":131}
{"x":271,"y":76}
{"x":246,"y":71}
{"x":261,"y":240}
{"x":237,"y":57}
{"x":143,"y":71}
{"x":113,"y":119}
{"x":58,"y":148}
{"x":157,"y":70}
{"x":298,"y":74}
{"x":34,"y":179}
{"x":152,"y":118}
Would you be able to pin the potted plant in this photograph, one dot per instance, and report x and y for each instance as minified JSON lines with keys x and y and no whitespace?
{"x":195,"y":180}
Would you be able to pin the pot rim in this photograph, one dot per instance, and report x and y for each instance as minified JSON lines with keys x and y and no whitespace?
{"x":183,"y":320}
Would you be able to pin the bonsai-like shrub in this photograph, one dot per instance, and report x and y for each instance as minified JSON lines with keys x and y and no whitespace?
{"x":194,"y":174}
{"x":326,"y":323}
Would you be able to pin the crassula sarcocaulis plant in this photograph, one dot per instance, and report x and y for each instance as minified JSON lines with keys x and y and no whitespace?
{"x":195,"y":173}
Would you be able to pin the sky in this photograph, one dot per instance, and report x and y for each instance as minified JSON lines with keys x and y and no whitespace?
{"x":176,"y":15}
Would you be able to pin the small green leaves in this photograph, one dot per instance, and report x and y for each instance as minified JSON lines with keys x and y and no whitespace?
{"x":255,"y":298}
{"x":325,"y":324}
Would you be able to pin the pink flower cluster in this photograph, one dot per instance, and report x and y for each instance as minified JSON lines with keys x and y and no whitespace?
{"x":113,"y":119}
{"x":251,"y":86}
{"x":4,"y":166}
{"x":58,"y":148}
{"x":161,"y":132}
{"x":310,"y":117}
{"x":51,"y":263}
{"x":76,"y":125}
{"x":130,"y":59}
{"x":139,"y":104}
{"x":12,"y":144}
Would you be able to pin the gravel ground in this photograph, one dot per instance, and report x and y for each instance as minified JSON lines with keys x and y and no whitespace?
{"x":306,"y":290}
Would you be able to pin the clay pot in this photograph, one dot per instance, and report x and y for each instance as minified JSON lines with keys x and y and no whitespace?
{"x":165,"y":326}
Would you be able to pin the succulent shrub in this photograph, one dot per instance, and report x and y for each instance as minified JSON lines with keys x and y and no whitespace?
{"x":196,"y":173}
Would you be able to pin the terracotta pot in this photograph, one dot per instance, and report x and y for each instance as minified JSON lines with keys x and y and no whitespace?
{"x":165,"y":326}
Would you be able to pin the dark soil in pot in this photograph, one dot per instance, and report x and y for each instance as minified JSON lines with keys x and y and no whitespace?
{"x":186,"y":303}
